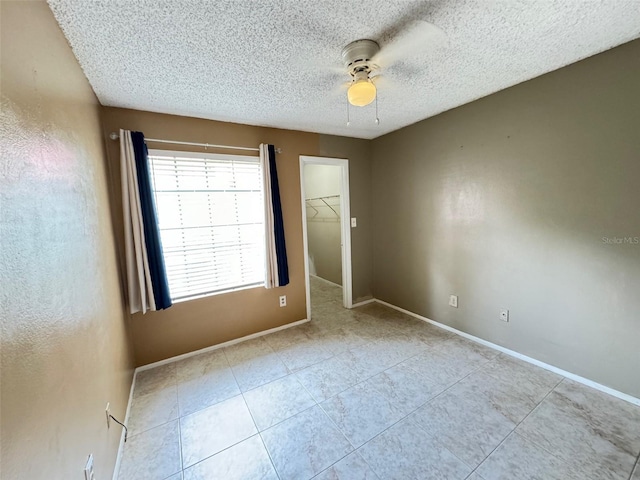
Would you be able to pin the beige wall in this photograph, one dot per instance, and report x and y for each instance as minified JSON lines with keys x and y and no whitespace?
{"x":323,"y":225}
{"x":64,"y":346}
{"x":358,"y":152}
{"x":505,"y":202}
{"x":195,"y":324}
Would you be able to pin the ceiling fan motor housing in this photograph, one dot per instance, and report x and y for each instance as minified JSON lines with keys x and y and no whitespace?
{"x":357,"y":56}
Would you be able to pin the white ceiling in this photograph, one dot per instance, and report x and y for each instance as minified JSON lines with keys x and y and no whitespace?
{"x":267,"y":62}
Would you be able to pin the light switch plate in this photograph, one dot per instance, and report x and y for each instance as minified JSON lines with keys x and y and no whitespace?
{"x":504,"y":315}
{"x":354,"y":223}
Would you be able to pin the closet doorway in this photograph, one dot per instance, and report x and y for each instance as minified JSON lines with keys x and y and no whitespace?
{"x":326,"y":224}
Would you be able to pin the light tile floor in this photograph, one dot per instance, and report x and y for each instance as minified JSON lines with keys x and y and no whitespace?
{"x":371,"y":394}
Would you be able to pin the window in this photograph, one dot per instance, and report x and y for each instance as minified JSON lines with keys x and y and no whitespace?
{"x":211,"y":221}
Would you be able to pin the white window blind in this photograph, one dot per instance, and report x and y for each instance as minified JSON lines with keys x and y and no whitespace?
{"x":211,"y":221}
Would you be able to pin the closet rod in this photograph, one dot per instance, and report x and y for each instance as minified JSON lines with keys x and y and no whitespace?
{"x":320,"y":198}
{"x":323,"y":200}
{"x":115,"y":136}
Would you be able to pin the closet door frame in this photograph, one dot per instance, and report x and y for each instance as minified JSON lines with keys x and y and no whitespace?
{"x":345,"y":226}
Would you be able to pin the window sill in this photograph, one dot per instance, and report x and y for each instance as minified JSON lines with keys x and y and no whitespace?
{"x":220,"y":292}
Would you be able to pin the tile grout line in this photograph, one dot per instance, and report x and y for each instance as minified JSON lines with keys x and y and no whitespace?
{"x":180,"y":416}
{"x":328,"y":417}
{"x":228,"y":365}
{"x":251,"y":414}
{"x":219,"y":346}
{"x":429,"y":401}
{"x":333,"y":355}
{"x":318,"y":402}
{"x":277,"y":352}
{"x":636,"y":466}
{"x":353,"y":452}
{"x":180,"y":444}
{"x":281,"y":421}
{"x":513,"y":431}
{"x":217,"y":403}
{"x":129,"y":437}
{"x":213,"y":455}
{"x":438,"y":395}
{"x":377,"y":393}
{"x":306,"y":389}
{"x":290,"y":373}
{"x":354,"y":449}
{"x":407,"y":415}
{"x":242,"y":393}
{"x":508,"y":435}
{"x":572,"y":376}
{"x":249,"y":410}
{"x":264,"y":445}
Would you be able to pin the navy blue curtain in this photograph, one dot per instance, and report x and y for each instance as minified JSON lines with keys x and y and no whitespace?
{"x":150,"y":221}
{"x":278,"y":224}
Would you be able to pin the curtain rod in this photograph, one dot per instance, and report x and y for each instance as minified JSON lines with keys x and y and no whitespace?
{"x":115,"y":136}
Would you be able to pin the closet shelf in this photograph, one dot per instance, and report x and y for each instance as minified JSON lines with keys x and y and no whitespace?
{"x":318,"y":203}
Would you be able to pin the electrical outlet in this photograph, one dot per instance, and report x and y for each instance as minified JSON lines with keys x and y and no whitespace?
{"x":283,"y":300}
{"x":107,"y":412}
{"x":453,"y":301}
{"x":504,"y":315}
{"x":88,"y":469}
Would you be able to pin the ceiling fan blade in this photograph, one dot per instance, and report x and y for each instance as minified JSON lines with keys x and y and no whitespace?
{"x":340,"y":89}
{"x":417,"y":38}
{"x":317,"y":67}
{"x":381,"y":81}
{"x":385,"y":85}
{"x":333,"y":69}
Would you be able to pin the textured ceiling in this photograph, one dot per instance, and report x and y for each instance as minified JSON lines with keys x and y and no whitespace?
{"x":273,"y":62}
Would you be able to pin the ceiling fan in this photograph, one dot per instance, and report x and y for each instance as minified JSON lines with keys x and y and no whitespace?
{"x":365,"y":58}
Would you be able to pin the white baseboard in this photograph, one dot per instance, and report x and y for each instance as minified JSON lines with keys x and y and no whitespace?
{"x":364,"y":302}
{"x":513,"y":353}
{"x":546,"y":366}
{"x":116,"y":469}
{"x":220,"y":345}
{"x":325,"y":280}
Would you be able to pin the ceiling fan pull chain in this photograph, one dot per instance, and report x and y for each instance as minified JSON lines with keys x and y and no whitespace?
{"x":348,"y":120}
{"x":377,"y":119}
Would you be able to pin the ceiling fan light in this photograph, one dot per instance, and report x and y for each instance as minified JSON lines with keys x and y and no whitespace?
{"x":361,"y":92}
